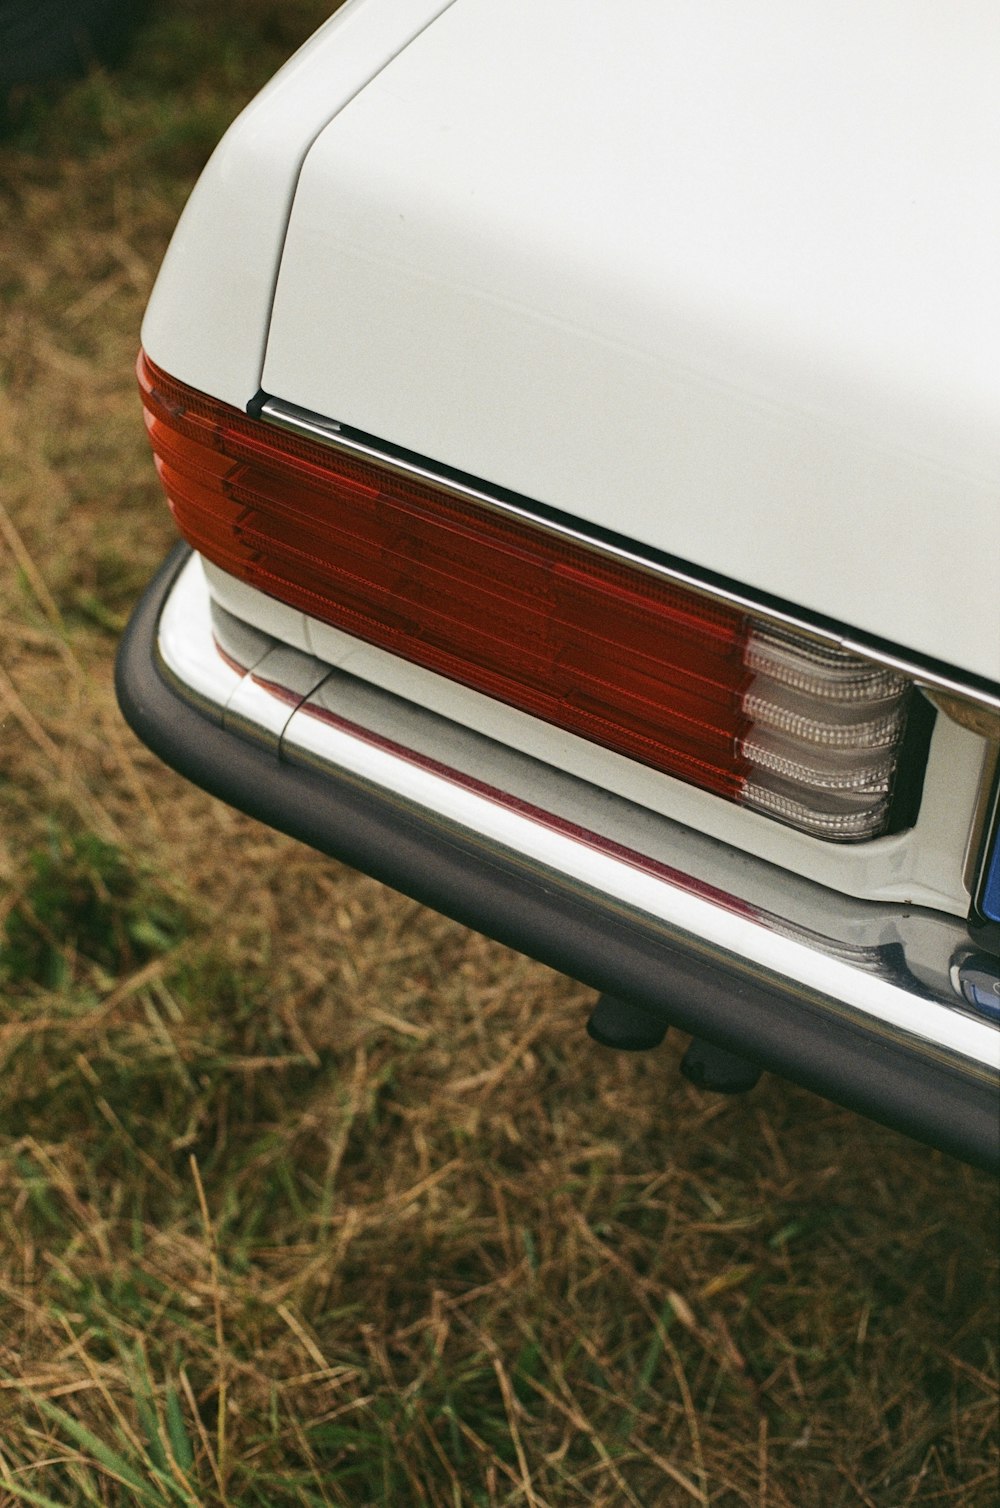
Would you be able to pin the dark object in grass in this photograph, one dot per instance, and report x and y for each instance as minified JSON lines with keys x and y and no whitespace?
{"x":57,"y":39}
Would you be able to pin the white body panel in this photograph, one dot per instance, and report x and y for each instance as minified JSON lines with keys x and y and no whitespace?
{"x":720,"y":277}
{"x":207,"y":319}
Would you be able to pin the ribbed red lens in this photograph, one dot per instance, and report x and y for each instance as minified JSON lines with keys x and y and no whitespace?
{"x":602,"y":650}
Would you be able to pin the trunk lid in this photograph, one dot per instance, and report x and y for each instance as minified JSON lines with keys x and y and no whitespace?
{"x":718,"y":278}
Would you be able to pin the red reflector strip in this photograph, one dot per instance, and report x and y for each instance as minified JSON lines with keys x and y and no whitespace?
{"x":600,"y":648}
{"x":627,"y":661}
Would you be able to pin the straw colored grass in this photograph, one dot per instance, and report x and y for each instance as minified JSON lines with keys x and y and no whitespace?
{"x":307,"y":1195}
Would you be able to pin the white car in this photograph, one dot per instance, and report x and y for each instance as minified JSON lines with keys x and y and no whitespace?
{"x":584,"y":425}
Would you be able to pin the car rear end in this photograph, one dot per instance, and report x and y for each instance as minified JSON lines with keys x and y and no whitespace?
{"x":589,"y":471}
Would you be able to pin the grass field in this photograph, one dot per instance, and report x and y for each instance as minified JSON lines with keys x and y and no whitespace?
{"x":308,"y":1196}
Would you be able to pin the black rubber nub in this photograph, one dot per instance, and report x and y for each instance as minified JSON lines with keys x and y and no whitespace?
{"x":711,"y":1067}
{"x":630,"y":1028}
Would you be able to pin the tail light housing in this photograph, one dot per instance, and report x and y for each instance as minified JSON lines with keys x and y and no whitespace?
{"x":762,"y":716}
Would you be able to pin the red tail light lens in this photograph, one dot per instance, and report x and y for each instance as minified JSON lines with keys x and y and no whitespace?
{"x":698,"y":690}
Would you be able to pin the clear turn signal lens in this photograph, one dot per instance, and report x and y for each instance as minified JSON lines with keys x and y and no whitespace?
{"x":826,"y":736}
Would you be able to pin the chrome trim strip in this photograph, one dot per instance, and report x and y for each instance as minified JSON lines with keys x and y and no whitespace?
{"x":886,"y":968}
{"x":260,"y":706}
{"x":328,"y":432}
{"x":189,"y":651}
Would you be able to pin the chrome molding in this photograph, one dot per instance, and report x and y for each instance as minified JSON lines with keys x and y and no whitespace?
{"x":890,"y":969}
{"x":327,"y":432}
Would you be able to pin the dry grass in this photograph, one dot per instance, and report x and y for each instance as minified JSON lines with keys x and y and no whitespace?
{"x":308,"y":1196}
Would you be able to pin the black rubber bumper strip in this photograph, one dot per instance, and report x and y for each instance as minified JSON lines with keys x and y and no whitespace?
{"x":493,"y":893}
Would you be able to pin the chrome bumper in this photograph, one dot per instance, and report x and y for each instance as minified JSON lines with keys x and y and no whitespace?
{"x":862,"y":1003}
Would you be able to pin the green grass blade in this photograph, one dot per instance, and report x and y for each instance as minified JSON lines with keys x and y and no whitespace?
{"x":180,"y":1442}
{"x":112,"y":1462}
{"x":29,"y":1495}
